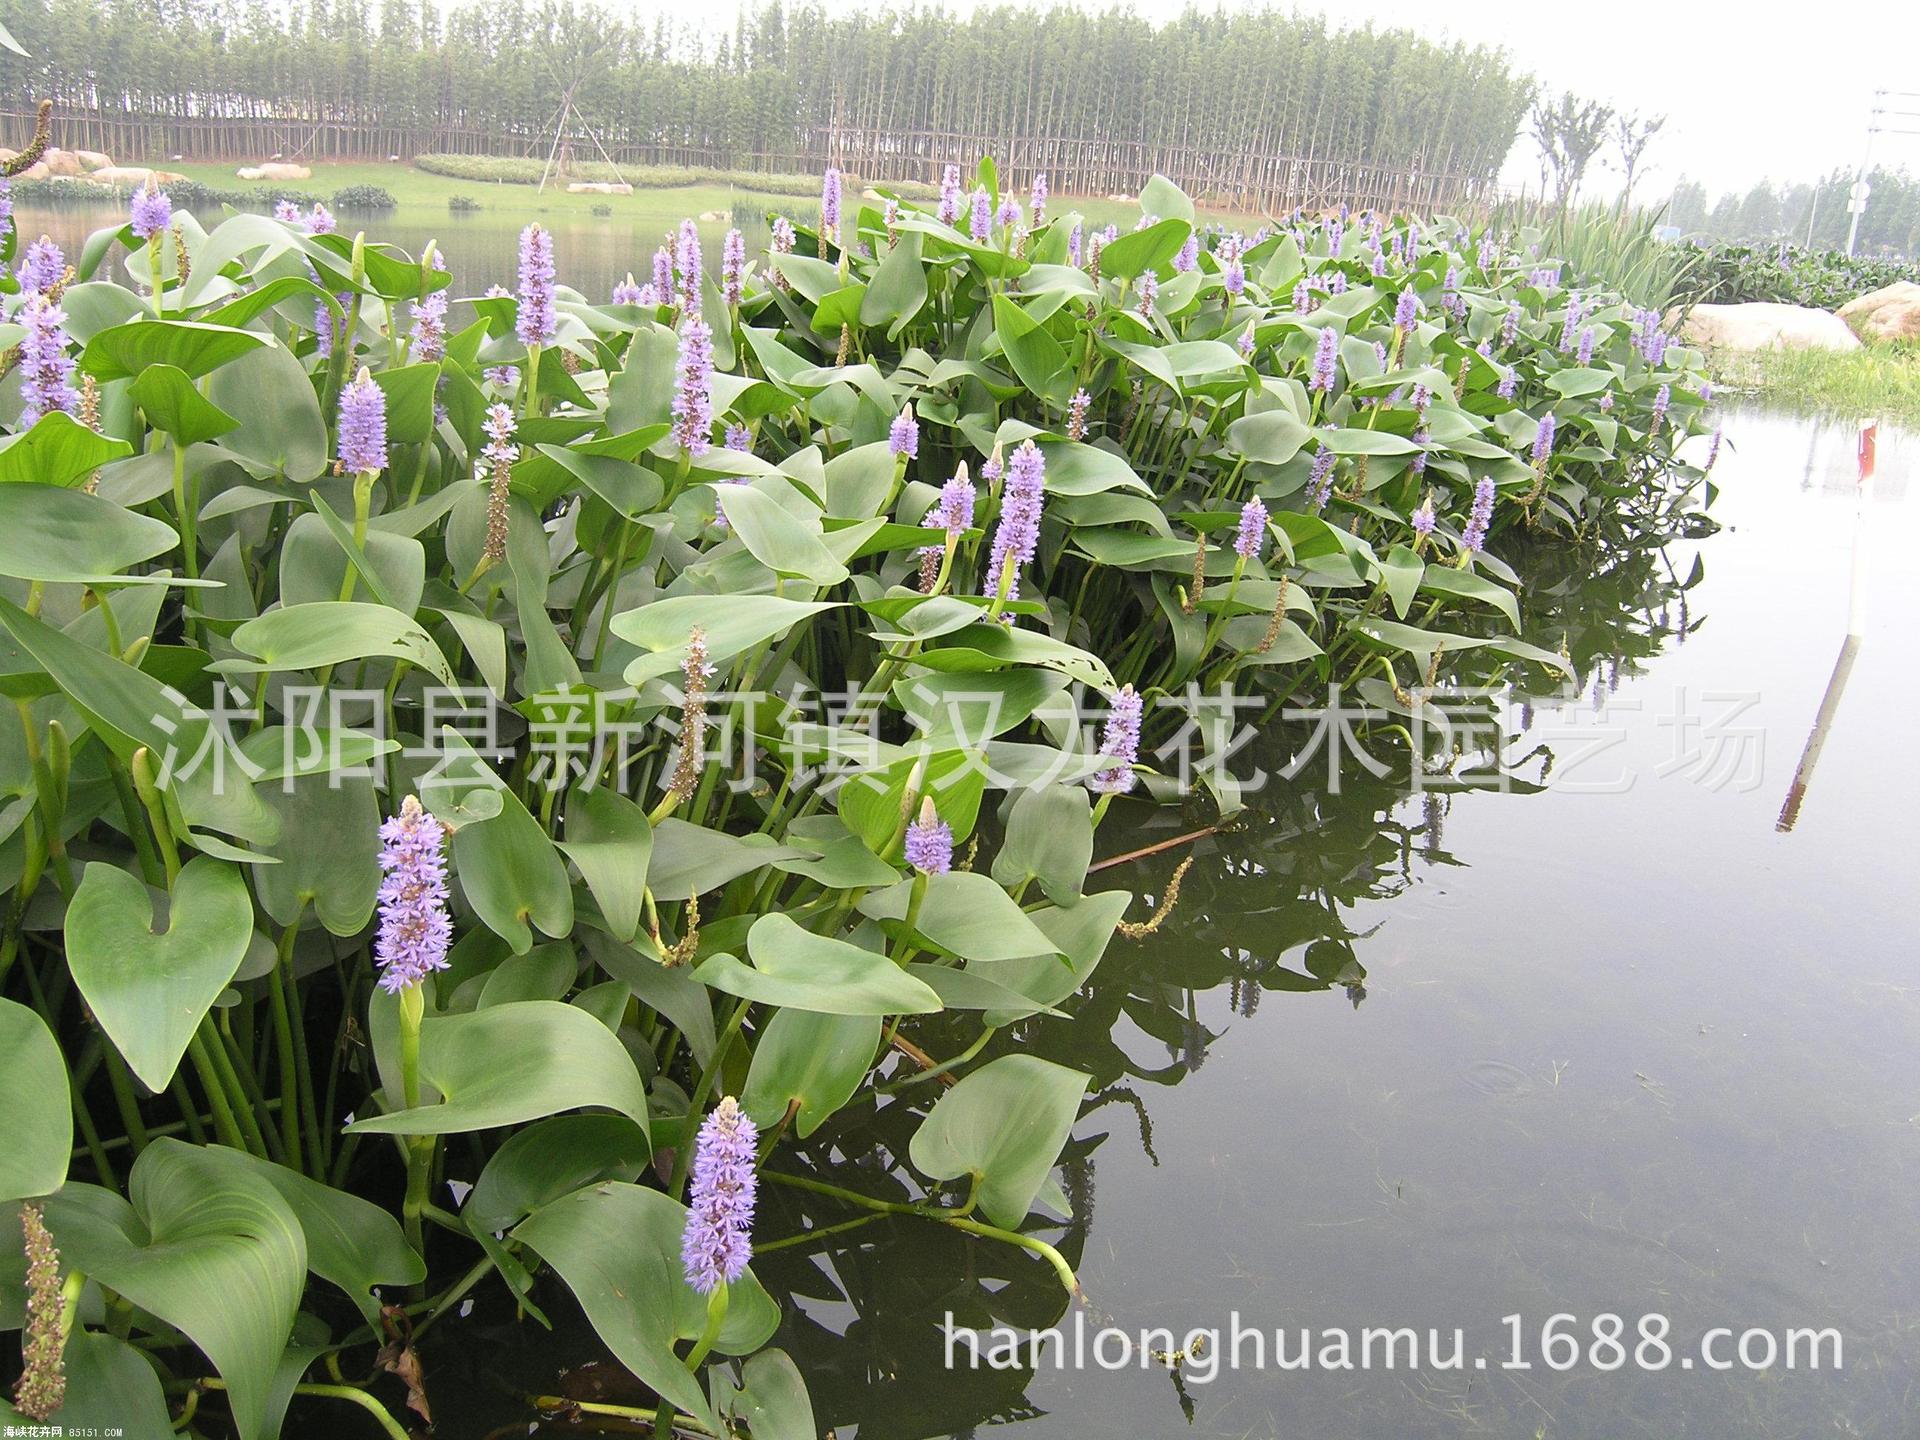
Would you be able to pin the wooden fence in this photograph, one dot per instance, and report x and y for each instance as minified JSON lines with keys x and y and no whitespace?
{"x":1243,"y":180}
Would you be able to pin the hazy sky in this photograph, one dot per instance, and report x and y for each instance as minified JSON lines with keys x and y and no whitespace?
{"x":1750,"y":91}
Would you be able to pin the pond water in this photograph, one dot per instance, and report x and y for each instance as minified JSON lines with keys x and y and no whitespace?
{"x":1432,"y":1061}
{"x":1618,"y":1039}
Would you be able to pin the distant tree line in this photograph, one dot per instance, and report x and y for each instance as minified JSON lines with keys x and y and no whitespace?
{"x":1226,"y":91}
{"x":1890,"y":226}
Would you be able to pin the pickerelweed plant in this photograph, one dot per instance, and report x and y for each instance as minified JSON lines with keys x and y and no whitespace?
{"x":495,"y":775}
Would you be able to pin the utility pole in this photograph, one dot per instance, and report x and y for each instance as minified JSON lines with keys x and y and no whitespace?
{"x":1876,"y":125}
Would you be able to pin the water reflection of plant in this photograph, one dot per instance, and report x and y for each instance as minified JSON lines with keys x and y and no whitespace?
{"x":1270,"y":906}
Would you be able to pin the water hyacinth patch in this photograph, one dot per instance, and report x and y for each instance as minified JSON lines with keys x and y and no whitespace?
{"x":501,"y":925}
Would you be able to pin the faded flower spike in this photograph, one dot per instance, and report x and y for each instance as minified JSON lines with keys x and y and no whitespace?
{"x":695,"y":671}
{"x":42,"y":1387}
{"x":718,"y":1240}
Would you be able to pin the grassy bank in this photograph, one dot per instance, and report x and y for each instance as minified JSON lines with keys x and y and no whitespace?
{"x":1882,"y":380}
{"x":418,"y":190}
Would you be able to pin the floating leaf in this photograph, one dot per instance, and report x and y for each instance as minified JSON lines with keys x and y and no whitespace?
{"x":1004,"y":1123}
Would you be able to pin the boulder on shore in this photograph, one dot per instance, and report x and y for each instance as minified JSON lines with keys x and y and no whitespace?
{"x":275,"y":170}
{"x":62,"y":162}
{"x":93,"y":159}
{"x":598,"y":187}
{"x":1889,"y":313}
{"x":1764,"y":326}
{"x":135,"y":175}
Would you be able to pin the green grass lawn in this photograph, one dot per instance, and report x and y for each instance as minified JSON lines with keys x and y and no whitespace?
{"x":419,"y":192}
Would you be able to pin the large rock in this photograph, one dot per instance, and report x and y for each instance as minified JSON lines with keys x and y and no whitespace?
{"x":62,"y":162}
{"x":275,"y":170}
{"x":135,"y":175}
{"x":93,"y":159}
{"x":1762,"y":326}
{"x":598,"y":187}
{"x":1889,"y":313}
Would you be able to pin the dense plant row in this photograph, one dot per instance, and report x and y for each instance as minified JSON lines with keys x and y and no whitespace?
{"x":1276,"y":83}
{"x":1727,"y":274}
{"x":68,"y":189}
{"x":494,"y":777}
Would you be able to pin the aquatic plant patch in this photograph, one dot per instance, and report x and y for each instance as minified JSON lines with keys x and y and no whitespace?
{"x":492,"y":775}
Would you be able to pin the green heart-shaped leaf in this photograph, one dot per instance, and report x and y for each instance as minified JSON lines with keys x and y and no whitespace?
{"x":633,"y":1291}
{"x":151,"y":965}
{"x":1005,"y":1123}
{"x":37,"y":1135}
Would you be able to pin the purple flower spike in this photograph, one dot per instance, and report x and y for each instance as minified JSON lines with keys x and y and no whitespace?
{"x":1662,"y":398}
{"x":1543,"y":439}
{"x":628,"y":291}
{"x":663,"y":274}
{"x":1120,"y":742}
{"x":430,"y":327}
{"x":1406,"y":310}
{"x":739,"y":437}
{"x":1009,"y":213}
{"x":286,"y":212}
{"x":718,"y":1241}
{"x":415,"y":930}
{"x":949,"y":210}
{"x":980,"y":222}
{"x":693,"y":389}
{"x":954,"y":513}
{"x":1588,"y":337}
{"x":1423,"y":518}
{"x":1481,"y":516}
{"x":1018,"y":534}
{"x":319,"y":220}
{"x":1252,"y":535}
{"x":733,"y":267}
{"x":363,"y":426}
{"x":1326,"y":355}
{"x":41,"y":267}
{"x":1320,"y":478}
{"x":903,"y":439}
{"x":151,"y":212}
{"x":1189,"y":255}
{"x":688,"y":261}
{"x":929,"y":843}
{"x":830,"y":191}
{"x":1038,"y":202}
{"x":536,"y":323}
{"x":1235,"y":279}
{"x":46,"y":370}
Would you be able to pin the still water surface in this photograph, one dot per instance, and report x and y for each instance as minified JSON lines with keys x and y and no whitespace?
{"x":1610,"y":1041}
{"x":1434,"y":1061}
